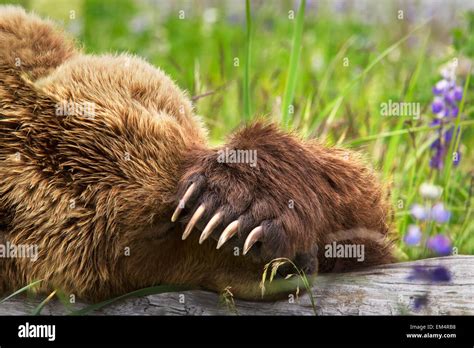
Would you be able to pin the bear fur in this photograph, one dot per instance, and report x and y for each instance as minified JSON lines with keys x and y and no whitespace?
{"x":96,"y":193}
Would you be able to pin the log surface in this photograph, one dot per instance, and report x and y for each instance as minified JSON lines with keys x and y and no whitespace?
{"x":383,"y":290}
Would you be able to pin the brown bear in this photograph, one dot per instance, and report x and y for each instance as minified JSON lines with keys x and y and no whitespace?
{"x":106,"y":170}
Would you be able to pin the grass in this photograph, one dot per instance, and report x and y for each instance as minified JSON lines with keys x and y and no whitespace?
{"x":301,"y":63}
{"x":291,"y":80}
{"x":24,"y":289}
{"x":457,"y":138}
{"x":248,"y":63}
{"x":39,"y":308}
{"x":297,"y":279}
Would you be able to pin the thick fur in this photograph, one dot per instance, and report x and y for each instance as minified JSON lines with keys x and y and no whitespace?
{"x":96,"y":194}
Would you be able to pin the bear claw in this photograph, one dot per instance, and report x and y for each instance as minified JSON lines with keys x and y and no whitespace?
{"x":183,"y":202}
{"x":254,"y":236}
{"x":228,"y":233}
{"x":216,"y":219}
{"x":195,"y":218}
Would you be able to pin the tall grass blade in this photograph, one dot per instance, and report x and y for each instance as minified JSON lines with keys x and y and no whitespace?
{"x":25,"y":288}
{"x":373,"y":137}
{"x":39,"y":308}
{"x":290,"y":85}
{"x":394,"y":143}
{"x":247,"y":102}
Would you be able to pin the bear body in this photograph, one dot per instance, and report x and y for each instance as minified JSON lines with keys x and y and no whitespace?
{"x":106,"y":169}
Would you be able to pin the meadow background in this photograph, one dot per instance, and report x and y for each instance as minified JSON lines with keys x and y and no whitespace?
{"x":323,"y":68}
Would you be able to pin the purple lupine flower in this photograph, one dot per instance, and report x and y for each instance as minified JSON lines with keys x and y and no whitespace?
{"x":419,"y":212}
{"x":449,"y":98}
{"x":430,"y":274}
{"x":438,"y":105}
{"x":440,"y":87}
{"x":439,"y":213}
{"x":413,"y":236}
{"x":441,"y":274}
{"x":440,"y":244}
{"x":445,"y":108}
{"x":457,"y":159}
{"x":436,"y":213}
{"x":454,"y":111}
{"x":420,"y":301}
{"x":448,"y":135}
{"x":458,"y":93}
{"x":437,"y":161}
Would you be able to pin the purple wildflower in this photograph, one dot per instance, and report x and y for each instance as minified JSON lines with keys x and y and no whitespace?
{"x":430,"y":274}
{"x":420,"y":301}
{"x":440,"y":244}
{"x":427,"y":274}
{"x":449,"y":135}
{"x":419,"y":212}
{"x":441,"y":274}
{"x":458,"y":93}
{"x":445,"y":108}
{"x":440,"y":87}
{"x":436,"y":162}
{"x":439,"y":213}
{"x":436,"y":212}
{"x":437,"y":105}
{"x":458,"y":159}
{"x":413,"y":236}
{"x":455,"y":111}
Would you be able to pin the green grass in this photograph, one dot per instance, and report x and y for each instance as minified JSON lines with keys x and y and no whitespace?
{"x":291,"y":80}
{"x":455,"y":144}
{"x":248,"y":63}
{"x":24,"y":289}
{"x":292,"y":282}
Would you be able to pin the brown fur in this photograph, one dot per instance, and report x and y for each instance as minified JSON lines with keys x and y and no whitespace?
{"x":84,"y":190}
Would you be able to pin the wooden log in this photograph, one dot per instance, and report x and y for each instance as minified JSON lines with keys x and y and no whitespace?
{"x":383,"y":290}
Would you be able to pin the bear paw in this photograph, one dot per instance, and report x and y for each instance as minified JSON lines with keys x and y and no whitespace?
{"x":262,"y":227}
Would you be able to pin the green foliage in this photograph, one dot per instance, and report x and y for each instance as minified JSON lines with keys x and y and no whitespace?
{"x":291,"y":79}
{"x":248,"y":62}
{"x":24,"y":289}
{"x":464,"y":37}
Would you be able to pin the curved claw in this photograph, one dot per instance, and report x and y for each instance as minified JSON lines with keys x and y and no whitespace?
{"x":253,"y":237}
{"x":210,"y":227}
{"x":195,"y":218}
{"x":228,"y":233}
{"x":183,"y":201}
